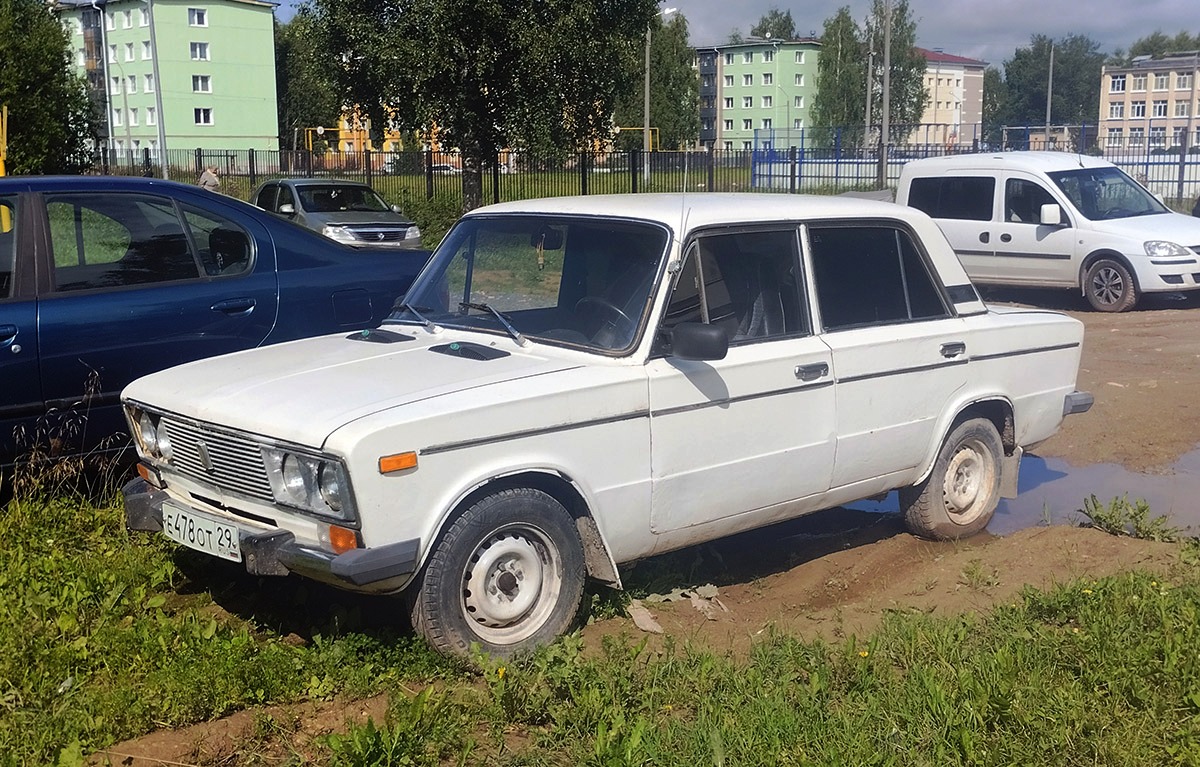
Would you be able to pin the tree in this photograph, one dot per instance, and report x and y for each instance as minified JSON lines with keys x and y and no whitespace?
{"x":674,"y":90}
{"x":907,"y":96}
{"x":735,"y":37}
{"x":1158,"y":44}
{"x":841,"y":74}
{"x":1076,"y":93}
{"x":53,"y":125}
{"x":776,"y":25}
{"x":487,"y":75}
{"x":995,"y":105}
{"x":307,"y":97}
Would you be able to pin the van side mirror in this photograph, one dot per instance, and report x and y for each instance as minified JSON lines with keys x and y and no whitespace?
{"x":699,"y":341}
{"x":1051,"y":215}
{"x":287,"y":209}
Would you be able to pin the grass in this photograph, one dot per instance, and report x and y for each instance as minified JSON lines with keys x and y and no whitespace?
{"x":1123,"y":517}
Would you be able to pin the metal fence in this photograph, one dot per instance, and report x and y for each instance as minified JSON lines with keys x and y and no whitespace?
{"x":828,"y":161}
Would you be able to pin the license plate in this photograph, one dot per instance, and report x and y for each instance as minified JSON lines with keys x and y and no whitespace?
{"x":202,"y":533}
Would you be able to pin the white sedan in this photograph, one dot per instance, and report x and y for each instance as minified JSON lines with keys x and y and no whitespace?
{"x":576,"y":383}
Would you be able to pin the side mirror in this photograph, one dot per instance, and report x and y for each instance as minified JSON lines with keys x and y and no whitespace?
{"x":1051,"y":215}
{"x":396,"y":209}
{"x":698,"y":341}
{"x":287,"y":209}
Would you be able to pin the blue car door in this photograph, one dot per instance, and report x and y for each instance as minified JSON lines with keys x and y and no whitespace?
{"x":142,"y":281}
{"x":21,"y":392}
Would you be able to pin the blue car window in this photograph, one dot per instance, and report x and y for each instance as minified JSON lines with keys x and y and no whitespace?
{"x":8,"y":244}
{"x":116,"y":240}
{"x":224,"y":247}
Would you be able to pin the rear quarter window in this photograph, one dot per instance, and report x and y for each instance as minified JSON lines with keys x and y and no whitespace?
{"x":959,"y":197}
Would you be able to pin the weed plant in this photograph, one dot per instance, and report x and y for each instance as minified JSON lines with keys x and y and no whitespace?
{"x":1122,"y":517}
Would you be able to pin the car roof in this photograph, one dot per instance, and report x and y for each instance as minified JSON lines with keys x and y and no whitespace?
{"x":683,"y":212}
{"x":319,"y":182}
{"x":1035,"y":161}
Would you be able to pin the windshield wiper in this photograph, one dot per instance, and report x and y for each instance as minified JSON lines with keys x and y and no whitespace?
{"x":501,"y":318}
{"x":400,"y":306}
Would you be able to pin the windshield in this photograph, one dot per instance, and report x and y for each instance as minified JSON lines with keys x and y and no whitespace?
{"x":335,"y":197}
{"x":1102,"y":194}
{"x":561,"y":280}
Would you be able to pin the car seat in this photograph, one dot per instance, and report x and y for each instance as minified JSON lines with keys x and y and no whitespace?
{"x":229,"y":251}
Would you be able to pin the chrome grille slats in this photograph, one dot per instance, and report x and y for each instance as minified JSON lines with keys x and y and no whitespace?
{"x":236,"y":461}
{"x":379,"y":233}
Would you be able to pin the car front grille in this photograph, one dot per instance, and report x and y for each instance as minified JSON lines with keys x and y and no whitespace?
{"x":230,"y":462}
{"x":370,"y":234}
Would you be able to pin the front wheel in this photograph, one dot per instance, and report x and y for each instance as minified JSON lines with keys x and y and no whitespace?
{"x":507,"y":575}
{"x":961,"y":493}
{"x":1109,"y":286}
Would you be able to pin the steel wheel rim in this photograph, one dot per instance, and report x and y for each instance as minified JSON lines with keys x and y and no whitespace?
{"x":1108,"y":286}
{"x":967,"y":485}
{"x":511,"y":584}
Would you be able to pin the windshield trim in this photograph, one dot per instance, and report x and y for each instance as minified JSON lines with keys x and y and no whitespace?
{"x":643,"y":320}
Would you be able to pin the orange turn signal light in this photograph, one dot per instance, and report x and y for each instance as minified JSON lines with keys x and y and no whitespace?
{"x":150,"y":475}
{"x":397,"y":462}
{"x":341,"y":539}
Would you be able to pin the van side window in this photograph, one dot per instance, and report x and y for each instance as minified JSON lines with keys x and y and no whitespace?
{"x":962,"y":197}
{"x":1023,"y":201}
{"x":871,"y":275}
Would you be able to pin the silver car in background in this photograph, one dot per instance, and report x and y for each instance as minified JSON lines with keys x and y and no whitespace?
{"x":348,"y":212}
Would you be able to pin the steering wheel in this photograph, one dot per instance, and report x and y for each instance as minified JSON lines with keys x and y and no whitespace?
{"x":606,"y":309}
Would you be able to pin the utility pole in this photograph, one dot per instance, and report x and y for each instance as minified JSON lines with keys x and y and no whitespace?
{"x":870,"y":87}
{"x":158,"y":88}
{"x":1049,"y":94}
{"x":886,"y":128}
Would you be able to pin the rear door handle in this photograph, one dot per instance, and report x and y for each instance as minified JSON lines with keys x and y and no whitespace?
{"x":953,"y":349}
{"x":985,"y":236}
{"x":812,"y":372}
{"x":235,"y":307}
{"x":8,"y":334}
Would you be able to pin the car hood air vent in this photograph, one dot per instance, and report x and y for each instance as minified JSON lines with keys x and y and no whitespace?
{"x":378,"y":336}
{"x":469,"y":351}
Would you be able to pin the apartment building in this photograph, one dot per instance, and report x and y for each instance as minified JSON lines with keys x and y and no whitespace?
{"x":954,"y":109}
{"x":207,"y":65}
{"x":1150,"y":104}
{"x":756,"y":94}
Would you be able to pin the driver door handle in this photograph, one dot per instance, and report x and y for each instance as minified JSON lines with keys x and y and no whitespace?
{"x":235,"y":307}
{"x":8,"y":334}
{"x":953,"y":349}
{"x":812,"y":372}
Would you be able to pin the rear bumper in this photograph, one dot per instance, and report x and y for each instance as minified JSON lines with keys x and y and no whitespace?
{"x":1077,"y":402}
{"x":276,"y":552}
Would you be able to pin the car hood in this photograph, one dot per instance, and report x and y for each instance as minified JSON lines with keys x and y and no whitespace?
{"x":303,"y":391}
{"x":1174,"y":227}
{"x":358,"y":217}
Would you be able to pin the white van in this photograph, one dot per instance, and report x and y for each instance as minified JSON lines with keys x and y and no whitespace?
{"x":1052,"y":219}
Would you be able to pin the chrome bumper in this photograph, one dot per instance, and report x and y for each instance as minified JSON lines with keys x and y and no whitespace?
{"x":276,"y":552}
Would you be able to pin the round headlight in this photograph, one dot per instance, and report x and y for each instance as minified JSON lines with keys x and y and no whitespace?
{"x":293,"y":477}
{"x":163,"y":443}
{"x":331,"y":486}
{"x":149,"y":432}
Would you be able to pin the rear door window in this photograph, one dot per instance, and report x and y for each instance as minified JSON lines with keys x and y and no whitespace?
{"x":959,"y":197}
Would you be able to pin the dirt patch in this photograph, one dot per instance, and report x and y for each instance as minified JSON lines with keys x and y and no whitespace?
{"x":838,"y":573}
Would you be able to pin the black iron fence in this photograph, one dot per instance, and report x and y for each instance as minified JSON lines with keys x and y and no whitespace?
{"x":821,"y":162}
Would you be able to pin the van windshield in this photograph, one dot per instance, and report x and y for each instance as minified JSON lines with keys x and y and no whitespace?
{"x":1103,"y":194}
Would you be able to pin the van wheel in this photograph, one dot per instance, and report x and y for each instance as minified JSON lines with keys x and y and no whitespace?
{"x":960,"y":495}
{"x":1109,"y":286}
{"x":507,"y":575}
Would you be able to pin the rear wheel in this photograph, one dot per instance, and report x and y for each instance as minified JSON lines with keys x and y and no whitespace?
{"x":1109,"y":286}
{"x":507,"y":575}
{"x":961,"y":493}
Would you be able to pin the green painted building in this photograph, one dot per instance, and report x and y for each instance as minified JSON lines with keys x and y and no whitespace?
{"x":756,"y":94}
{"x":202,"y":71}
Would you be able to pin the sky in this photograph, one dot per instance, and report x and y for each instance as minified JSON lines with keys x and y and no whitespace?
{"x":990,"y":30}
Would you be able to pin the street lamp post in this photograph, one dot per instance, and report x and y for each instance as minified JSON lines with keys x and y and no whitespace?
{"x":646,"y":104}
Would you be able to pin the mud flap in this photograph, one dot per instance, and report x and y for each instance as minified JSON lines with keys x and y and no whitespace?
{"x":1010,"y":468}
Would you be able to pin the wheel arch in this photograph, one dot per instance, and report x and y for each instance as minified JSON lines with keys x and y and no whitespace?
{"x":597,"y":557}
{"x":1105,"y":254}
{"x":997,"y":409}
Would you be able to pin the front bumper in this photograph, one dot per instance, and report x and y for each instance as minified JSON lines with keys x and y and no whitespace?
{"x":277,"y":552}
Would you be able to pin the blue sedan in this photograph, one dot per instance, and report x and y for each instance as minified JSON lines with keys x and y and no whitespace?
{"x":106,"y":279}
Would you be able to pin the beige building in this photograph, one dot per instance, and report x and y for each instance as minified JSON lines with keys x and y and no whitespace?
{"x":954,"y":109}
{"x":1150,"y":104}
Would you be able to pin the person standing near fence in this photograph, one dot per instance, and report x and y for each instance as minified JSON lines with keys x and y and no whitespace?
{"x":210,"y":180}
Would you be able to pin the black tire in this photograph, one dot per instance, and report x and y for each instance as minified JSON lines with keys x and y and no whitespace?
{"x":960,"y":495}
{"x":1109,"y":287}
{"x":506,"y":575}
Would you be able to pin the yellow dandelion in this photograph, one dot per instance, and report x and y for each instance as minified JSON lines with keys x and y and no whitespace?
{"x":1087,"y":591}
{"x":668,"y":707}
{"x":863,"y":653}
{"x":1154,"y":583}
{"x":500,"y":672}
{"x":1076,"y":630}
